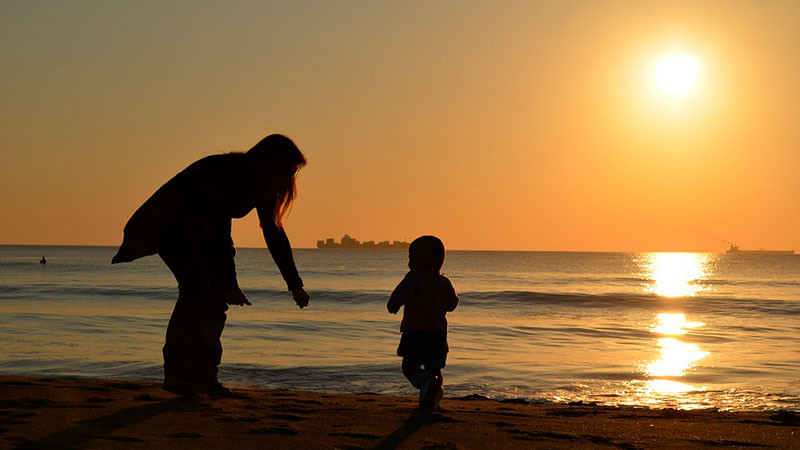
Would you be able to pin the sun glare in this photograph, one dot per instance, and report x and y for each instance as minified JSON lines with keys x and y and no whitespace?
{"x":676,"y":74}
{"x":676,"y":274}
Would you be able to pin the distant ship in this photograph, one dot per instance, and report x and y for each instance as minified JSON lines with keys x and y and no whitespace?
{"x":735,"y":250}
{"x":348,"y":242}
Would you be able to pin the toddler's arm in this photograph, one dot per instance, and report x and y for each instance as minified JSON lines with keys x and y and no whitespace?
{"x":452,"y":299}
{"x":399,"y":295}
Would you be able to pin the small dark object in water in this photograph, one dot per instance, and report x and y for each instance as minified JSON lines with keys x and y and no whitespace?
{"x":42,"y":261}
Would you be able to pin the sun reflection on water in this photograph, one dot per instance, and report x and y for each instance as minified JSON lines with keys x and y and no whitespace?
{"x":673,"y":275}
{"x":676,"y":274}
{"x":673,"y":324}
{"x":676,"y":358}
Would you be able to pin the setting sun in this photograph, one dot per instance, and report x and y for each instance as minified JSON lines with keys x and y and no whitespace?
{"x":676,"y":74}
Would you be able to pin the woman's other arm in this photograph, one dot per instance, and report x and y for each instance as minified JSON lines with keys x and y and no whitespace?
{"x":223,"y":254}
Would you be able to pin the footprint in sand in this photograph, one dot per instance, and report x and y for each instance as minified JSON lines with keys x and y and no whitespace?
{"x":282,"y":394}
{"x":92,"y":388}
{"x":126,"y":386}
{"x":26,"y":403}
{"x":307,"y":402}
{"x":515,"y":401}
{"x":185,"y":435}
{"x":15,"y":422}
{"x":357,"y":435}
{"x":100,"y":400}
{"x":571,"y":412}
{"x":600,"y":440}
{"x":19,"y":383}
{"x":125,"y":439}
{"x":16,"y":418}
{"x":101,"y":424}
{"x":288,"y":417}
{"x":238,"y":419}
{"x":521,"y":435}
{"x":296,"y":410}
{"x":436,"y":446}
{"x":787,"y":417}
{"x":284,"y":430}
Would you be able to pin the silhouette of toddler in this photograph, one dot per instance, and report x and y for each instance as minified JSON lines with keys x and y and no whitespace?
{"x":427,"y":296}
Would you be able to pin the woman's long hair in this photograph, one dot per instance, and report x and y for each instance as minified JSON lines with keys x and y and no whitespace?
{"x":282,"y":159}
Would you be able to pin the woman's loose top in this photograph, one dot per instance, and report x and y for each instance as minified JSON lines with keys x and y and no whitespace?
{"x":197,"y":206}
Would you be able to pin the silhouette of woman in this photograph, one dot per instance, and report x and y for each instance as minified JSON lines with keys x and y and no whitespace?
{"x":188,"y":223}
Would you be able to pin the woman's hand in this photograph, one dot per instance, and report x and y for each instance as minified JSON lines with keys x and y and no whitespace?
{"x":300,"y":297}
{"x":234,"y":296}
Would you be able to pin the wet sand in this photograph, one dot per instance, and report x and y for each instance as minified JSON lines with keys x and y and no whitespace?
{"x":104,"y":414}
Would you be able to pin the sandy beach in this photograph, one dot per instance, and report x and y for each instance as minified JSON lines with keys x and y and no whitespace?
{"x":105,"y":414}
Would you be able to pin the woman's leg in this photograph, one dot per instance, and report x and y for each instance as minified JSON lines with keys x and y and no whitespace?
{"x":184,"y":330}
{"x":202,"y":266}
{"x":217,"y":254}
{"x":209,"y":344}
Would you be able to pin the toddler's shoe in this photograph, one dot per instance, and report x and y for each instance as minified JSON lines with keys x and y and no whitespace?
{"x":437,"y":406}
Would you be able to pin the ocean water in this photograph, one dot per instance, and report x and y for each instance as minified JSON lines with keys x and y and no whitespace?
{"x":684,"y":330}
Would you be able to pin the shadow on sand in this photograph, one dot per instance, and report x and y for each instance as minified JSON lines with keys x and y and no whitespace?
{"x":411,"y":426}
{"x":86,"y":431}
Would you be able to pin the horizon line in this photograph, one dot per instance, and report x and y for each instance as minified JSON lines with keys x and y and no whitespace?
{"x":379,"y":250}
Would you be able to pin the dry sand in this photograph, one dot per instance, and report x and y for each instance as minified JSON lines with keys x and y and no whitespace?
{"x":103,"y":414}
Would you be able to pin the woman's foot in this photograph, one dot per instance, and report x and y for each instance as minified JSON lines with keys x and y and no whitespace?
{"x":217,"y":390}
{"x":182,"y":388}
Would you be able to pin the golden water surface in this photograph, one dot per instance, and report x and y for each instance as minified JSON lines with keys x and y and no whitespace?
{"x":677,"y":277}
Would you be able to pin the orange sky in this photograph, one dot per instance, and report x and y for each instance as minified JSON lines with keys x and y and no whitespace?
{"x":518,"y":125}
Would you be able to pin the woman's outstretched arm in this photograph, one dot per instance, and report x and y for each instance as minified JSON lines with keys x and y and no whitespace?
{"x":280,"y":249}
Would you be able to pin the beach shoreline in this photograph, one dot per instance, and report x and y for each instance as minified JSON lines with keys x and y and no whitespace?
{"x":96,"y":413}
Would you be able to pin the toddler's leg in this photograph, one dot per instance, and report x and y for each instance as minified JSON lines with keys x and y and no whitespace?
{"x":429,"y":385}
{"x":414,"y":373}
{"x":437,"y":371}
